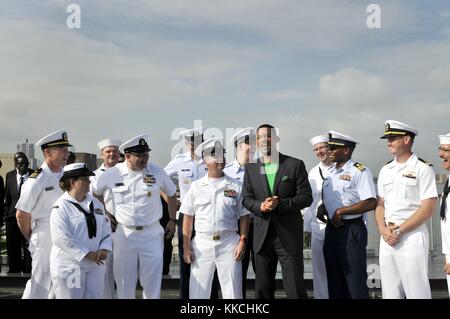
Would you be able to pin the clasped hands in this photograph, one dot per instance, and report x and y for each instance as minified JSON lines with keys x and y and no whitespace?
{"x":269,"y":204}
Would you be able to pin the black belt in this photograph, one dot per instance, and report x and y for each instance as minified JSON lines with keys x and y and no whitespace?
{"x":353,"y":220}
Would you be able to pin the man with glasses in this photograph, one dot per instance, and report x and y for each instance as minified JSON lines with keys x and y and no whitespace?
{"x":348,"y":193}
{"x":406,"y":200}
{"x":444,"y":154}
{"x":16,"y":244}
{"x":37,"y":196}
{"x":312,"y":226}
{"x":136,"y":185}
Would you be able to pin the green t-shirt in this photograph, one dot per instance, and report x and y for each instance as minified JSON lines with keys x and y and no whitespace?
{"x":271,"y":171}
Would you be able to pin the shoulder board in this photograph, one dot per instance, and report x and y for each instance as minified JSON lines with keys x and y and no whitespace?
{"x":36,"y":173}
{"x":424,"y":161}
{"x":389,"y":162}
{"x":359,"y":166}
{"x":56,"y":206}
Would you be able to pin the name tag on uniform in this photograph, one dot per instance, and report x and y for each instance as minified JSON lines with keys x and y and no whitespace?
{"x":118,"y":184}
{"x":149,"y":179}
{"x":230,"y":193}
{"x":410,"y":175}
{"x":49,"y":188}
{"x":345,"y":177}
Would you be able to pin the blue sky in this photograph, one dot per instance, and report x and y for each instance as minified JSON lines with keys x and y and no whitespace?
{"x":156,"y":66}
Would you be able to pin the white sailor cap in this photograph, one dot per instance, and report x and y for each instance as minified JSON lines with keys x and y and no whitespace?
{"x":246,"y":135}
{"x":211,"y":147}
{"x":319,"y":139}
{"x":76,"y":170}
{"x":339,"y":139}
{"x":396,"y":128}
{"x":192,"y":132}
{"x":57,"y":138}
{"x":444,"y":139}
{"x":137,"y":144}
{"x":108,"y":142}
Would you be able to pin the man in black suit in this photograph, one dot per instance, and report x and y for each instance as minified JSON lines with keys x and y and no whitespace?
{"x":275,"y":189}
{"x":15,"y":241}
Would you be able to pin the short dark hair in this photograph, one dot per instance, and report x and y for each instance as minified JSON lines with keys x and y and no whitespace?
{"x":268,"y":126}
{"x":65,"y":184}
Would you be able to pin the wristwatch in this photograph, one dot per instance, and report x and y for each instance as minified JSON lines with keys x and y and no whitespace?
{"x":397,"y":232}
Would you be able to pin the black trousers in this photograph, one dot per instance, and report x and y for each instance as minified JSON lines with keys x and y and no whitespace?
{"x":249,"y":254}
{"x":266,"y":266}
{"x":345,"y":255}
{"x":185,"y":269}
{"x":168,"y":248}
{"x":19,"y":258}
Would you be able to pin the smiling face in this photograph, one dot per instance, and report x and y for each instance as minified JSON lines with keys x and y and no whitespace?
{"x":444,"y":154}
{"x":322,"y":152}
{"x":137,"y":161}
{"x":110,"y":155}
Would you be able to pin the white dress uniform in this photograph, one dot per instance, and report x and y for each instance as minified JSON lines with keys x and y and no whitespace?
{"x":73,"y":275}
{"x":187,"y":170}
{"x":445,"y":223}
{"x":38,"y":194}
{"x":235,"y":170}
{"x":109,"y":205}
{"x":404,"y":267}
{"x":139,"y":237}
{"x":217,"y":207}
{"x":317,"y":229}
{"x":445,"y":231}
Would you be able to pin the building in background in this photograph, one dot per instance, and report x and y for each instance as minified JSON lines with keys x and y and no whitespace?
{"x":7,"y":164}
{"x":89,"y":159}
{"x":28,"y":149}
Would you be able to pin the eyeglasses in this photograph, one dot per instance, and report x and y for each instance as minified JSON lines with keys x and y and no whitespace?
{"x":444,"y":150}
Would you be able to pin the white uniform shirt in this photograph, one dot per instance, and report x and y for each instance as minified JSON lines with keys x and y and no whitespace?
{"x":187,"y":170}
{"x":316,"y":177}
{"x":107,"y":195}
{"x":39,"y":193}
{"x":18,"y":176}
{"x":403,"y":186}
{"x":136,"y":194}
{"x":235,"y":171}
{"x":69,"y":230}
{"x":217,"y":206}
{"x":445,"y":230}
{"x":347,"y":186}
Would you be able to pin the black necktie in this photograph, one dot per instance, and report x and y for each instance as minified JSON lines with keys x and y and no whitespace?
{"x":444,"y":199}
{"x":20,"y":184}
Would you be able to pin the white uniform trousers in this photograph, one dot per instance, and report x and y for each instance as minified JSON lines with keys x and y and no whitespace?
{"x":108,"y":291}
{"x":404,"y":267}
{"x":73,"y":283}
{"x":210,"y":254}
{"x":138,"y":254}
{"x":39,"y":285}
{"x":319,"y":271}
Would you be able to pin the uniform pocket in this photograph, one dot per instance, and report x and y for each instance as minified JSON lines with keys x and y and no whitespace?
{"x":119,"y":194}
{"x":202,"y":201}
{"x":411,"y":190}
{"x":230,"y":201}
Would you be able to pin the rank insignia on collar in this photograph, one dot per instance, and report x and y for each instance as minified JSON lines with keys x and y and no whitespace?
{"x":230,"y":193}
{"x":149,"y":179}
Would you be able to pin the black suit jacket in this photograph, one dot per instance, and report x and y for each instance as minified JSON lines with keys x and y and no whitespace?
{"x":2,"y":199}
{"x":12,"y":195}
{"x":294,"y":193}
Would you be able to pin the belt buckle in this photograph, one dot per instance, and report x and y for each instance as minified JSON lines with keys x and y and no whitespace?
{"x":216,"y":237}
{"x":139,"y":227}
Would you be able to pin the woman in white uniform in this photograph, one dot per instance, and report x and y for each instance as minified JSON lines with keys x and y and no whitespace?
{"x":81,"y":238}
